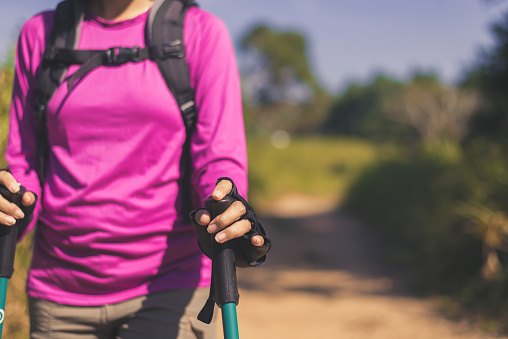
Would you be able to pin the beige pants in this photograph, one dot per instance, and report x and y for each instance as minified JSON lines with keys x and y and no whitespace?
{"x":168,"y":315}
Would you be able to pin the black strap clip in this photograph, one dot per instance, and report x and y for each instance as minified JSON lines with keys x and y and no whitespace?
{"x":121,"y":55}
{"x":174,"y":49}
{"x":39,"y":110}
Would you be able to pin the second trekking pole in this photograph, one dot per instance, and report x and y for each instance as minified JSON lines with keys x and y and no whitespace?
{"x":8,"y":240}
{"x":224,"y":272}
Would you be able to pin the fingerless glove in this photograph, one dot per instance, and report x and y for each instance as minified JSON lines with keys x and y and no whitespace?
{"x":247,"y":254}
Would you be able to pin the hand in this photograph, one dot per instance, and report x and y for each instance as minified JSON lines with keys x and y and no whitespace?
{"x":9,"y":212}
{"x":230,"y":217}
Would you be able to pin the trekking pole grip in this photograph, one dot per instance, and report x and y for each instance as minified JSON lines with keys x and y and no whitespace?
{"x":223,"y":258}
{"x":9,"y":234}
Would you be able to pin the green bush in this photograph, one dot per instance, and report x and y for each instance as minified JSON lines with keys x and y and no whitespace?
{"x":413,"y":203}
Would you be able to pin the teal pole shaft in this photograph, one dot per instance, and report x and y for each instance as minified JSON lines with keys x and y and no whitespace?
{"x":229,"y":321}
{"x":3,"y":294}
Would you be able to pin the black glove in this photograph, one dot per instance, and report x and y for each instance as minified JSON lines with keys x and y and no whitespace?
{"x":27,"y":210}
{"x":246,"y":253}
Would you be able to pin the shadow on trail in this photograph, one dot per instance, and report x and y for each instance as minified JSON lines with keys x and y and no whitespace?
{"x":325,"y":254}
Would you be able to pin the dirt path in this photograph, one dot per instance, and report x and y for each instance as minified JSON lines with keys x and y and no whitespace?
{"x":327,"y":278}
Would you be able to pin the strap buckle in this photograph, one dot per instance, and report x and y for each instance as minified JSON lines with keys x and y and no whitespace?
{"x":121,"y":55}
{"x":174,"y":49}
{"x":40,"y":110}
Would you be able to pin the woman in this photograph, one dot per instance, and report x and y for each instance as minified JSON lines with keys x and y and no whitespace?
{"x":114,"y":256}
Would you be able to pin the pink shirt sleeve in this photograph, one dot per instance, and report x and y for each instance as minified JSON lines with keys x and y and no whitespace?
{"x":218,"y":145}
{"x":23,"y":128}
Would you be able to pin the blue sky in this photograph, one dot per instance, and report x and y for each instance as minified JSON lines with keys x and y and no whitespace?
{"x":348,"y":39}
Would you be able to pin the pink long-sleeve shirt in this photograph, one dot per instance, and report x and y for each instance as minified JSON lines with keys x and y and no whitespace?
{"x":109,"y":224}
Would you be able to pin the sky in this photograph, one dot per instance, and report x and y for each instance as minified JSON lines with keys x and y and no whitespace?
{"x":348,"y":40}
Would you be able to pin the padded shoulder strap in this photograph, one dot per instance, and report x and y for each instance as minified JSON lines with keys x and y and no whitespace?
{"x":65,"y":34}
{"x":165,"y":28}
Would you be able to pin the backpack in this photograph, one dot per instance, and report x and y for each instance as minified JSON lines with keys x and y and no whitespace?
{"x":164,"y":45}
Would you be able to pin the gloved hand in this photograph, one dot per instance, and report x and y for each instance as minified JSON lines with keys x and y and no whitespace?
{"x":238,"y":224}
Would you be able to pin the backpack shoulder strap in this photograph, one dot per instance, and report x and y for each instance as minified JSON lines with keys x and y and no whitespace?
{"x":165,"y":29}
{"x":65,"y":33}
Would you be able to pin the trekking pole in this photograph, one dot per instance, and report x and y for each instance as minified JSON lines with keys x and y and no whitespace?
{"x":8,"y":239}
{"x":224,"y":272}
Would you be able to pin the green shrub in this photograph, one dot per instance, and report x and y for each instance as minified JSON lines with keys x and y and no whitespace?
{"x":413,"y":203}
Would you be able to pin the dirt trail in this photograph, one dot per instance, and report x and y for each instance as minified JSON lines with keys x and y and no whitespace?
{"x":327,"y":278}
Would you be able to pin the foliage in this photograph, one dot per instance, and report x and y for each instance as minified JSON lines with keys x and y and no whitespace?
{"x":436,"y":111}
{"x":492,"y":227}
{"x":365,"y":111}
{"x":389,"y":109}
{"x":490,"y":76}
{"x":443,"y":209}
{"x":412,"y":202}
{"x":279,"y":86}
{"x":284,"y":54}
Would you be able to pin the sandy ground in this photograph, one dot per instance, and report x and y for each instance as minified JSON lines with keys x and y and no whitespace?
{"x":327,"y":278}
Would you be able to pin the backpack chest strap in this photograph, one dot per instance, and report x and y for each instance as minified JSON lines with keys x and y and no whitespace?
{"x":91,"y":59}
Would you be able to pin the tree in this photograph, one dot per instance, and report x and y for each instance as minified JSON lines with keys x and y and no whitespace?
{"x":436,"y":111}
{"x":490,"y":76}
{"x":279,"y":63}
{"x":367,"y":111}
{"x":278,"y":81}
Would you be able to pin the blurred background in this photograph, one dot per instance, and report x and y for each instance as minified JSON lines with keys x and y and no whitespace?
{"x":377,"y":135}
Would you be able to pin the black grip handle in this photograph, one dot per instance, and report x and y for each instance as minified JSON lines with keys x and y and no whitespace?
{"x":223,"y":259}
{"x":9,"y":234}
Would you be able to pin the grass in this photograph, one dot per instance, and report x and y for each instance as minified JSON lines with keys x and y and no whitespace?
{"x":309,"y":165}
